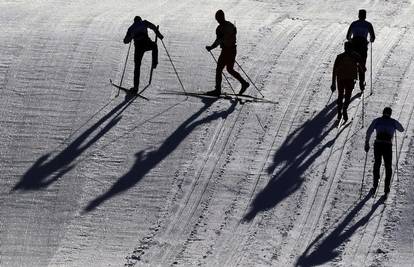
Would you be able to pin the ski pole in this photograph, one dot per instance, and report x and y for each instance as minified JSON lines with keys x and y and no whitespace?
{"x":329,"y":100}
{"x":396,"y":157}
{"x":370,"y":72}
{"x":249,"y":78}
{"x":123,"y":72}
{"x":363,"y":110}
{"x":231,"y":87}
{"x":175,"y":70}
{"x":363,"y":174}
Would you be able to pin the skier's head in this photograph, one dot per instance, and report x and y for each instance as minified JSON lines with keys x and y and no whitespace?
{"x":362,"y":14}
{"x":387,"y":112}
{"x":137,"y":19}
{"x":220,"y":16}
{"x":348,"y":46}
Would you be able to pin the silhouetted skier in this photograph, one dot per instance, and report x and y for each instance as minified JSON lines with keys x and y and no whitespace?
{"x":344,"y":74}
{"x":385,"y":128}
{"x":226,"y":38}
{"x":138,"y":32}
{"x":358,"y":33}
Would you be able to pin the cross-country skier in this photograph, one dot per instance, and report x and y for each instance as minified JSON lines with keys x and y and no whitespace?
{"x":385,"y":128}
{"x":226,"y":38}
{"x":344,"y":74}
{"x":358,"y":33}
{"x":138,"y":32}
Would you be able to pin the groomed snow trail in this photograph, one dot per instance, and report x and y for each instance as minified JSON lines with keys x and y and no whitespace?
{"x":89,"y":179}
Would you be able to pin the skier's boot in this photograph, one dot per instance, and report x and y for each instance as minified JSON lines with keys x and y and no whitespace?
{"x":345,"y":116}
{"x":338,"y":119}
{"x":386,"y":192}
{"x":154,"y":64}
{"x":215,"y":92}
{"x":362,"y":86}
{"x":133,"y":90}
{"x":244,"y":87}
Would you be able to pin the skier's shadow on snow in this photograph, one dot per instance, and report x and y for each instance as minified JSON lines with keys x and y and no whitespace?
{"x":145,"y":162}
{"x":44,"y":172}
{"x":325,"y":251}
{"x":293,"y":158}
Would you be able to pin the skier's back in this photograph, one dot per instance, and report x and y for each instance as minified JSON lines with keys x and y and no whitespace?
{"x":344,"y":74}
{"x":385,"y":128}
{"x":357,"y":34}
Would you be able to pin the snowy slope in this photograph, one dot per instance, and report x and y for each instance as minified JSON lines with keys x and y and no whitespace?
{"x":89,"y":179}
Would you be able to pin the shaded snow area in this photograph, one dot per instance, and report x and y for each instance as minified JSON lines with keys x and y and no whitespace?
{"x":90,"y":179}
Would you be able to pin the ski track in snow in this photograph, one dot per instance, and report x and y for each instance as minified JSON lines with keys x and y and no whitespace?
{"x":89,"y":179}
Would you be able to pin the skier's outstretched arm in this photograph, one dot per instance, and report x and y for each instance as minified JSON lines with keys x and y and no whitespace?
{"x":154,"y":28}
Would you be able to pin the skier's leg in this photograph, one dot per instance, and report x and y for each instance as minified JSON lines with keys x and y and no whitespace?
{"x":361,"y":74}
{"x":349,"y":86}
{"x":230,"y":61}
{"x":153,"y":46}
{"x":139,"y":53}
{"x":377,"y":163}
{"x":340,"y":100}
{"x":387,"y":155}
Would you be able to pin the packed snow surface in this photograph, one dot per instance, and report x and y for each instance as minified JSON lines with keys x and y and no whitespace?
{"x":90,"y":179}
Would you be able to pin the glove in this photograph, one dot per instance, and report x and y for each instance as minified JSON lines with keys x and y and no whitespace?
{"x":208,"y":48}
{"x":333,"y":87}
{"x":161,"y":36}
{"x":366,"y":148}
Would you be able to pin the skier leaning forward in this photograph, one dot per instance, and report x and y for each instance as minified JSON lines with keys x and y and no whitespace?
{"x":226,"y":38}
{"x":138,"y":32}
{"x":385,"y":128}
{"x":345,"y":73}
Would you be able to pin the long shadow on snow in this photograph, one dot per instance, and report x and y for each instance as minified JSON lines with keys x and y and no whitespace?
{"x":326,"y":250}
{"x":144,"y":163}
{"x":293,"y":158}
{"x":43,"y":172}
{"x":295,"y":155}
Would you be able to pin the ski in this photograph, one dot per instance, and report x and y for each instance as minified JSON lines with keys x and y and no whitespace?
{"x":243,"y":98}
{"x":255,"y":99}
{"x":127,"y":91}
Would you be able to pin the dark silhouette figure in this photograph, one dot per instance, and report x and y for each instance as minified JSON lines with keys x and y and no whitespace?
{"x":293,"y":158}
{"x":358,"y":33}
{"x":345,"y":73}
{"x":138,"y":32}
{"x":226,"y":38}
{"x":325,"y":251}
{"x":145,"y":162}
{"x":385,"y":128}
{"x":43,"y":172}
